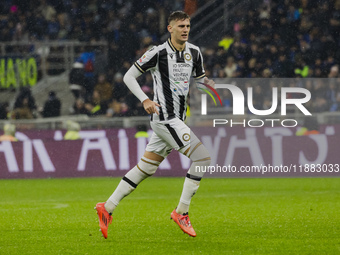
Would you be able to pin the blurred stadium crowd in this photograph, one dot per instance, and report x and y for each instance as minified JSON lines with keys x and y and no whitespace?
{"x":282,"y":38}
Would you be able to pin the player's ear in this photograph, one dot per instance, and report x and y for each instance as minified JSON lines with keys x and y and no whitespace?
{"x":169,"y":28}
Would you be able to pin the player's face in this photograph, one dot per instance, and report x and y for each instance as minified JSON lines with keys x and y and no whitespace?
{"x":179,"y":30}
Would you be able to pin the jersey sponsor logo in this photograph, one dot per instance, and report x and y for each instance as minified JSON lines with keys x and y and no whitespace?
{"x":183,"y":65}
{"x":178,"y":89}
{"x":187,"y":56}
{"x":185,"y":84}
{"x":171,"y":55}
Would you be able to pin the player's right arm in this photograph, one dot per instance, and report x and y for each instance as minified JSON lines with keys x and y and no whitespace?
{"x":130,"y":79}
{"x":148,"y":61}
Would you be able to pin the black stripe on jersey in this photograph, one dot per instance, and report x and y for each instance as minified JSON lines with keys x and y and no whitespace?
{"x":147,"y":65}
{"x":181,"y":106}
{"x":164,"y":71}
{"x":134,"y":185}
{"x":161,"y":114}
{"x":197,"y":62}
{"x":174,"y":135}
{"x":179,"y":58}
{"x":193,"y":177}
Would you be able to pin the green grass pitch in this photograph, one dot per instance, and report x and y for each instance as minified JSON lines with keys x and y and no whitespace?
{"x":230,"y":216}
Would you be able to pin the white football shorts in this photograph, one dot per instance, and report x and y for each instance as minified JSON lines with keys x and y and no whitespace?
{"x":171,"y":134}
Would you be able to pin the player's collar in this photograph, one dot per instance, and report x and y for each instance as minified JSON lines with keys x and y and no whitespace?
{"x":173,"y":47}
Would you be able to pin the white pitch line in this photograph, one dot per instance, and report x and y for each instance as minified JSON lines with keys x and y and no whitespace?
{"x":41,"y":206}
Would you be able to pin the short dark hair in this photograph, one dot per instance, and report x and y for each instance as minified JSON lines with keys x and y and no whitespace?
{"x":178,"y":15}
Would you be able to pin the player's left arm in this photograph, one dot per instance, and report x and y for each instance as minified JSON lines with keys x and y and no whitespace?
{"x":199,"y":73}
{"x":130,"y":79}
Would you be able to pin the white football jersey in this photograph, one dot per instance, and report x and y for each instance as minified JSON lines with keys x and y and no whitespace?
{"x":171,"y":71}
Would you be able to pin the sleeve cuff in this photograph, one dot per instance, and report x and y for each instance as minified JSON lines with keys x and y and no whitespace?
{"x":200,"y":77}
{"x":139,"y":68}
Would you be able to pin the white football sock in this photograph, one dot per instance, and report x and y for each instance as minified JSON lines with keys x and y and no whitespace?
{"x":200,"y":157}
{"x":182,"y":208}
{"x":124,"y":188}
{"x":109,"y":206}
{"x":189,"y":189}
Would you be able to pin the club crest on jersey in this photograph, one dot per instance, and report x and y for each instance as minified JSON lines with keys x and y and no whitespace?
{"x":187,"y":56}
{"x":186,"y":137}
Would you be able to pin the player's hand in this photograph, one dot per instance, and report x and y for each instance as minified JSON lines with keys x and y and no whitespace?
{"x":150,"y":106}
{"x":209,"y":82}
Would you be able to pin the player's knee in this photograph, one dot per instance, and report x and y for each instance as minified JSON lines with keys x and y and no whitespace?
{"x":198,"y":168}
{"x":206,"y":161}
{"x":201,"y":154}
{"x":148,"y":166}
{"x":201,"y":160}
